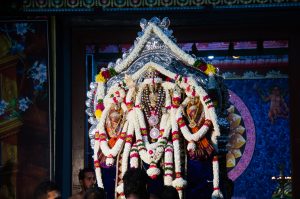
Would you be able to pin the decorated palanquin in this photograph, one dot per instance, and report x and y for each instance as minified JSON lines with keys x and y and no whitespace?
{"x":163,"y":110}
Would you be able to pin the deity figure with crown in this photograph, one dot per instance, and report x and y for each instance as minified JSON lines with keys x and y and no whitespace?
{"x":161,"y":109}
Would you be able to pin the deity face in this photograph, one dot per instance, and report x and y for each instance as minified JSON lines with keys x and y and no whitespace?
{"x":192,"y":110}
{"x":194,"y":107}
{"x":194,"y":100}
{"x":114,"y":116}
{"x":114,"y":120}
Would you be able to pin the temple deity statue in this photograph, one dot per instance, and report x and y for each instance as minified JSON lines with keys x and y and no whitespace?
{"x":195,"y":116}
{"x":152,"y":110}
{"x":153,"y":101}
{"x":114,"y":123}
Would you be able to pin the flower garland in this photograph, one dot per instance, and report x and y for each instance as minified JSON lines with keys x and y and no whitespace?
{"x":135,"y":52}
{"x":205,"y":67}
{"x":210,"y":114}
{"x":179,"y":183}
{"x":208,"y":106}
{"x":134,"y":157}
{"x":110,"y":153}
{"x":153,"y":28}
{"x":177,"y":51}
{"x":185,"y":57}
{"x":105,"y":74}
{"x":168,"y":165}
{"x":130,"y":132}
{"x":115,"y":98}
{"x":186,"y":132}
{"x":99,"y":109}
{"x":128,"y":143}
{"x":126,"y":151}
{"x":216,"y":190}
{"x":128,"y":140}
{"x":151,"y":153}
{"x":96,"y":161}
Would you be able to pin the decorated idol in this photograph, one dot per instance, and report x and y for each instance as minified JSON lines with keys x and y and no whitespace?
{"x":159,"y":109}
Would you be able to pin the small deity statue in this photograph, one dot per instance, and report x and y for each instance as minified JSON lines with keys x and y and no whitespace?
{"x":153,"y":100}
{"x":114,"y":123}
{"x":196,"y":119}
{"x":113,"y":126}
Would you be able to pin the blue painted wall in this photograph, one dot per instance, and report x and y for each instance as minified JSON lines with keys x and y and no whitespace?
{"x":272,"y":140}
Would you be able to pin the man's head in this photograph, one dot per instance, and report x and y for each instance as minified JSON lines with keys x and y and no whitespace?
{"x":47,"y":190}
{"x":87,"y":178}
{"x":135,"y":182}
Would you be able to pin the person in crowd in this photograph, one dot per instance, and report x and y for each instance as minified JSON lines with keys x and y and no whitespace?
{"x":135,"y":184}
{"x":87,"y":179}
{"x":47,"y":190}
{"x":169,"y":192}
{"x":95,"y":193}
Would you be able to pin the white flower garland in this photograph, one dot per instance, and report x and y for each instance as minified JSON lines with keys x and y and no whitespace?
{"x":152,"y":81}
{"x":110,"y":153}
{"x":116,"y":95}
{"x":151,"y":153}
{"x":163,"y":128}
{"x":168,"y":164}
{"x":130,"y":132}
{"x":96,"y":161}
{"x":185,"y":57}
{"x":208,"y":107}
{"x":127,"y":146}
{"x":179,"y":182}
{"x":186,"y":132}
{"x":216,"y":189}
{"x":134,"y":157}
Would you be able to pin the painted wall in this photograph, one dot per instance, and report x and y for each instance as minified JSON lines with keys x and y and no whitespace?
{"x":271,"y":139}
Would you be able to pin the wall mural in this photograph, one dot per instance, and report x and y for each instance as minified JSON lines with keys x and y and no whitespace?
{"x":24,"y":107}
{"x":264,"y":131}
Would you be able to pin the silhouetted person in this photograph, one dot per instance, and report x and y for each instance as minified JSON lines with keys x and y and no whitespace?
{"x":87,"y":180}
{"x":169,"y":192}
{"x":95,"y":193}
{"x":47,"y":190}
{"x":135,"y":184}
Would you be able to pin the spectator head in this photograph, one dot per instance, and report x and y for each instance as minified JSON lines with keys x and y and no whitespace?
{"x":47,"y":190}
{"x":87,"y":178}
{"x":135,"y":182}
